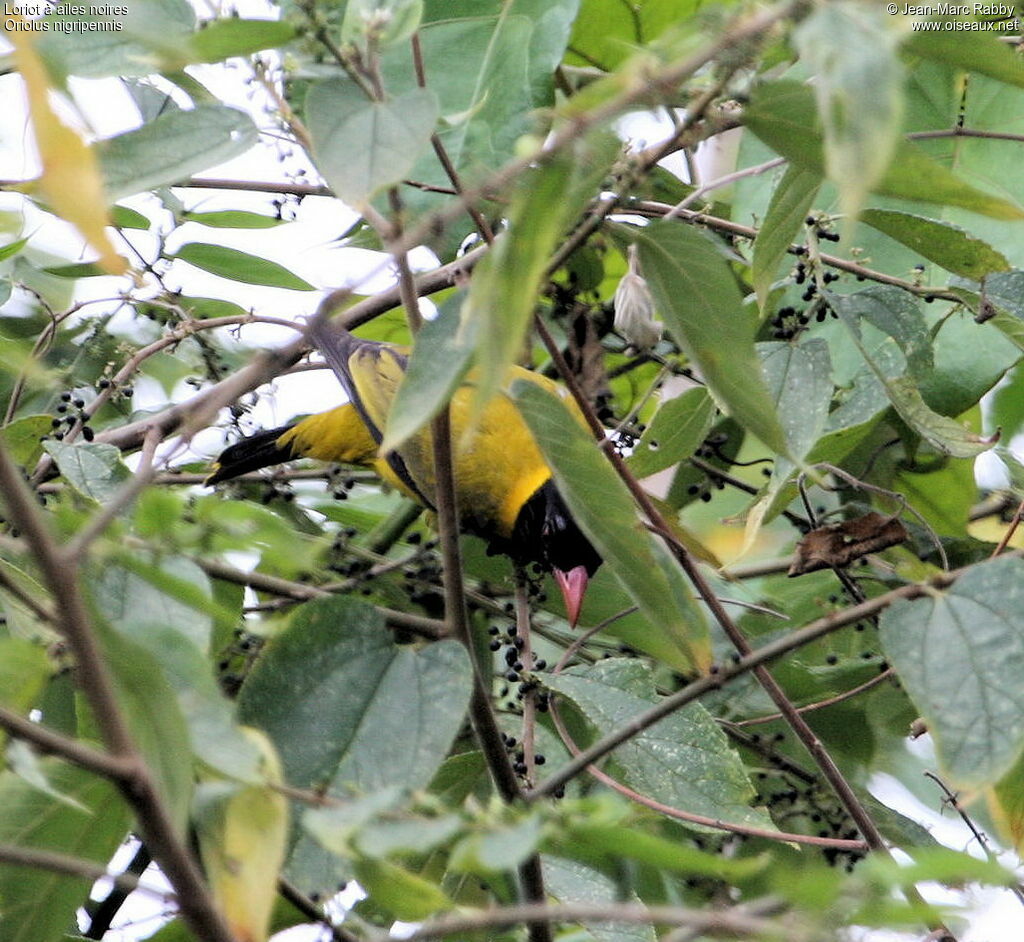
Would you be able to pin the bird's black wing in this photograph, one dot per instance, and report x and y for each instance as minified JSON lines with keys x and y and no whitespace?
{"x":343,"y":352}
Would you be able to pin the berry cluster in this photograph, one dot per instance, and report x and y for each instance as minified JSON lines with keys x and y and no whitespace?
{"x":236,"y":659}
{"x":69,"y":412}
{"x":517,"y":671}
{"x":518,"y":756}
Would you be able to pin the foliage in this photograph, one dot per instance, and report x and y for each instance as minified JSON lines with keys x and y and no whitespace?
{"x":263,"y":682}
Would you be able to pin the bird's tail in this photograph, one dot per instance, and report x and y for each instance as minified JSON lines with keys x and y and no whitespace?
{"x":250,"y":454}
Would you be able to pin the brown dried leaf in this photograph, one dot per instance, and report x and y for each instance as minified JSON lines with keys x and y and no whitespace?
{"x":839,"y":544}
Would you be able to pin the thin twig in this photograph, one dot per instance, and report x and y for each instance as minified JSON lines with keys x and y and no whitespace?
{"x":822,"y":704}
{"x":68,"y":865}
{"x":1010,"y":530}
{"x":482,"y":226}
{"x":30,"y":602}
{"x":954,"y":802}
{"x":725,"y":180}
{"x":313,"y":911}
{"x":713,"y":922}
{"x":53,"y":743}
{"x":429,"y":628}
{"x":689,"y":817}
{"x":727,"y":226}
{"x":77,"y":546}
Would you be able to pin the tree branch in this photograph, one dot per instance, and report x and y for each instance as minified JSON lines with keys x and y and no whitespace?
{"x":46,"y":740}
{"x":75,"y":867}
{"x":707,"y":921}
{"x":96,"y":681}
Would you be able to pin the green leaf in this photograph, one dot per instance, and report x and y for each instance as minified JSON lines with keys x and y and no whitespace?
{"x":485,"y":853}
{"x":674,"y":434}
{"x":951,"y":867}
{"x":165,"y":607}
{"x":786,"y":214}
{"x":406,"y":896}
{"x":22,"y":621}
{"x":799,"y":380}
{"x":607,"y":32}
{"x":572,"y":882}
{"x":684,"y":760}
{"x":22,"y":438}
{"x":236,"y":37}
{"x":783,"y":115}
{"x":697,"y":295}
{"x":232,"y":219}
{"x":507,"y":53}
{"x":143,"y":41}
{"x":941,"y":242}
{"x":1006,"y":804}
{"x":124,"y":217}
{"x":615,"y":841}
{"x":1007,"y":409}
{"x":241,"y":525}
{"x":970,"y":359}
{"x":896,"y":313}
{"x":12,"y":248}
{"x":503,"y":293}
{"x":858,"y":83}
{"x":174,"y":146}
{"x":210,"y":307}
{"x":240,"y":266}
{"x":439,"y":361}
{"x":94,"y":469}
{"x":149,"y":705}
{"x":78,"y":270}
{"x":336,"y":827}
{"x":171,"y":591}
{"x":980,"y":53}
{"x":942,"y":494}
{"x":408,"y":836}
{"x":896,"y":828}
{"x":946,"y":435}
{"x":959,"y":653}
{"x":639,"y":563}
{"x":347,"y":707}
{"x":24,"y":670}
{"x":40,"y":904}
{"x":362,"y":146}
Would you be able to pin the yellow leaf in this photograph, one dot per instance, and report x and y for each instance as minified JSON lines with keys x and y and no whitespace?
{"x":1006,"y":805}
{"x":71,"y":177}
{"x":243,"y":832}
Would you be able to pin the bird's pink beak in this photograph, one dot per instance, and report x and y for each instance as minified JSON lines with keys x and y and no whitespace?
{"x":573,"y":584}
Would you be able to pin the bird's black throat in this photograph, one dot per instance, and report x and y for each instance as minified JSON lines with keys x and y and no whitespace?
{"x":546,"y":533}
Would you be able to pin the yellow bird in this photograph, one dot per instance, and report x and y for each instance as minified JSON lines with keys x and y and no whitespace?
{"x":503,"y":486}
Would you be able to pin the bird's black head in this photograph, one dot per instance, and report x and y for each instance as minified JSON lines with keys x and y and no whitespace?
{"x":546,"y":533}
